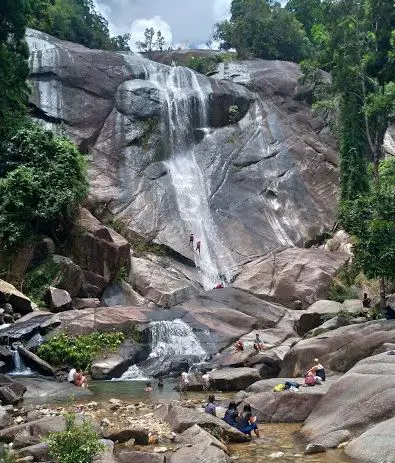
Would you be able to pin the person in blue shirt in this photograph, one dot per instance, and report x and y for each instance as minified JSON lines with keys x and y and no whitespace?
{"x":231,"y":414}
{"x":247,"y":422}
{"x":210,"y":407}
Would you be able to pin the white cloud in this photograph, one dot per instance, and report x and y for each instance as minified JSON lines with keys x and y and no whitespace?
{"x":139,"y":25}
{"x":105,"y":11}
{"x":221,"y":9}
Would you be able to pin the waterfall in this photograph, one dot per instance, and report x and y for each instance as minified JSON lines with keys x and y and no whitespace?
{"x":185,"y":109}
{"x":132,"y":373}
{"x":19,"y":368}
{"x":170,"y":340}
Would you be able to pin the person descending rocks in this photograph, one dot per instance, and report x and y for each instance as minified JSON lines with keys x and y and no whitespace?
{"x":191,"y":238}
{"x":258,"y":344}
{"x":366,"y":301}
{"x":206,"y":381}
{"x":210,"y":407}
{"x":247,"y":422}
{"x":198,"y":244}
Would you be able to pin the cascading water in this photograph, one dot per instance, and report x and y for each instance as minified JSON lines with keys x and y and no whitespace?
{"x":184,"y":109}
{"x":170,"y":340}
{"x":19,"y":368}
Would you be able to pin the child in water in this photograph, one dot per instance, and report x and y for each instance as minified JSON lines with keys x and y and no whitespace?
{"x":148,"y":387}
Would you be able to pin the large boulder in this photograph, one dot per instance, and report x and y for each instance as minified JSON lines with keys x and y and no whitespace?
{"x":233,"y":379}
{"x":58,"y":300}
{"x":98,"y":248}
{"x":113,"y":365}
{"x":40,"y":389}
{"x":121,"y":293}
{"x":5,"y":418}
{"x":181,"y":418}
{"x":140,"y":457}
{"x":369,"y":382}
{"x":312,"y":317}
{"x":11,"y":390}
{"x":340,"y":349}
{"x":376,"y":444}
{"x":161,"y":285}
{"x":292,"y":275}
{"x":20,"y":303}
{"x":35,"y":362}
{"x":27,"y":326}
{"x":70,"y":276}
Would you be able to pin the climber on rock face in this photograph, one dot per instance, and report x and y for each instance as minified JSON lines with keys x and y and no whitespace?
{"x":191,"y":240}
{"x":198,"y":247}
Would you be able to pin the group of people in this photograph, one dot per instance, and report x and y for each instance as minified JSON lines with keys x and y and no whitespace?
{"x":149,"y":388}
{"x":77,"y":378}
{"x":258,"y":344}
{"x":245,"y":422}
{"x":192,"y":241}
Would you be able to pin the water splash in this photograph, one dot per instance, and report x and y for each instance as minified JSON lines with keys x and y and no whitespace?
{"x":133,"y":373}
{"x":19,"y":367}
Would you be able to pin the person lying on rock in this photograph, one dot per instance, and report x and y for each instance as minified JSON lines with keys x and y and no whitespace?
{"x":318,"y":370}
{"x":210,"y":407}
{"x":231,"y":415}
{"x":247,"y":422}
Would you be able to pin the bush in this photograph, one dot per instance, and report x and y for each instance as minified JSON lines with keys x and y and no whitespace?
{"x":339,"y":292}
{"x":79,"y":351}
{"x":76,"y":444}
{"x":43,"y":179}
{"x":6,"y":456}
{"x":39,"y":279}
{"x":205,"y":64}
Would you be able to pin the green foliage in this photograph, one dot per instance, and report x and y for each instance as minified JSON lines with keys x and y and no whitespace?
{"x":38,"y":279}
{"x":43,"y":179}
{"x":76,"y":21}
{"x":204,"y":64}
{"x":79,"y":351}
{"x":6,"y":456}
{"x":233,"y":112}
{"x":76,"y":444}
{"x":371,"y":219}
{"x":340,"y":292}
{"x":264,"y":29}
{"x":151,"y":43}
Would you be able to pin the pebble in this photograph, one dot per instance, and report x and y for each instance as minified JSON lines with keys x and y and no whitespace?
{"x":276,"y":455}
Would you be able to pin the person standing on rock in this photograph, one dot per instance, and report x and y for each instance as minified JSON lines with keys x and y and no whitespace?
{"x":198,"y":244}
{"x":191,"y":238}
{"x":184,"y":381}
{"x":258,"y":344}
{"x":206,"y":381}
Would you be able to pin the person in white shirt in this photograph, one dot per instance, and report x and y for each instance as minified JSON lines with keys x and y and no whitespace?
{"x":71,"y":375}
{"x":206,"y":381}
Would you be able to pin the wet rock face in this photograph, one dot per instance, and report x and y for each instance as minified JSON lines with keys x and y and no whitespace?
{"x":271,"y":180}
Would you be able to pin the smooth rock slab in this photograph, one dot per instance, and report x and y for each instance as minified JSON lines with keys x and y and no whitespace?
{"x":363,"y":396}
{"x":375,"y":445}
{"x":46,"y":389}
{"x":233,"y":379}
{"x":140,"y":457}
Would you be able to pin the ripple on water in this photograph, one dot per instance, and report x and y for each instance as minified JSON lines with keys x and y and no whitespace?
{"x":281,"y":438}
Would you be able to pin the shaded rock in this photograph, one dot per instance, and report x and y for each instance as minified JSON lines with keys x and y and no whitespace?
{"x":374,"y":445}
{"x":140,"y":457}
{"x":70,"y":276}
{"x":5,"y":418}
{"x":314,"y":448}
{"x":3,"y":367}
{"x":293,"y":274}
{"x":125,"y":435}
{"x":113,"y":365}
{"x":161,"y":285}
{"x":369,"y":382}
{"x":6,"y":356}
{"x":233,"y":379}
{"x":25,"y":327}
{"x":46,"y":389}
{"x":122,"y":294}
{"x":98,"y":248}
{"x":312,"y":317}
{"x":38,"y":451}
{"x":200,"y":453}
{"x":35,"y":362}
{"x":8,"y":396}
{"x":286,"y":406}
{"x":340,"y":349}
{"x":334,"y":439}
{"x":196,"y":435}
{"x":58,"y":300}
{"x":353,"y":306}
{"x":332,"y":324}
{"x":20,"y":303}
{"x":85,"y":303}
{"x":16,"y":386}
{"x":180,"y":419}
{"x":93,"y":286}
{"x":107,"y":455}
{"x":36,"y":428}
{"x":24,"y":439}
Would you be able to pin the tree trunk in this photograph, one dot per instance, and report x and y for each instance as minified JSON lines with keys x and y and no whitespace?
{"x":382,"y":294}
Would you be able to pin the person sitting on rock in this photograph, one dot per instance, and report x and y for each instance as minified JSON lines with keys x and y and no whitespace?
{"x":210,"y":407}
{"x":80,"y":380}
{"x":258,"y":344}
{"x":318,"y":370}
{"x":231,"y":415}
{"x":247,"y":422}
{"x":206,"y":381}
{"x":310,"y":379}
{"x":71,"y":375}
{"x":148,"y":387}
{"x":219,"y":286}
{"x":366,"y":301}
{"x":239,"y":346}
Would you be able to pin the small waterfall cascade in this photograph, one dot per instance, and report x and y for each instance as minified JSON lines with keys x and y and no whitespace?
{"x":185,"y":109}
{"x":19,"y":368}
{"x":170,"y":340}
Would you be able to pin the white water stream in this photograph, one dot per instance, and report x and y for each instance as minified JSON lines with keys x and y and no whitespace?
{"x":185,"y":109}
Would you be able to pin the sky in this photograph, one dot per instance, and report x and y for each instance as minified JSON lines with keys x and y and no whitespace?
{"x":182,"y":22}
